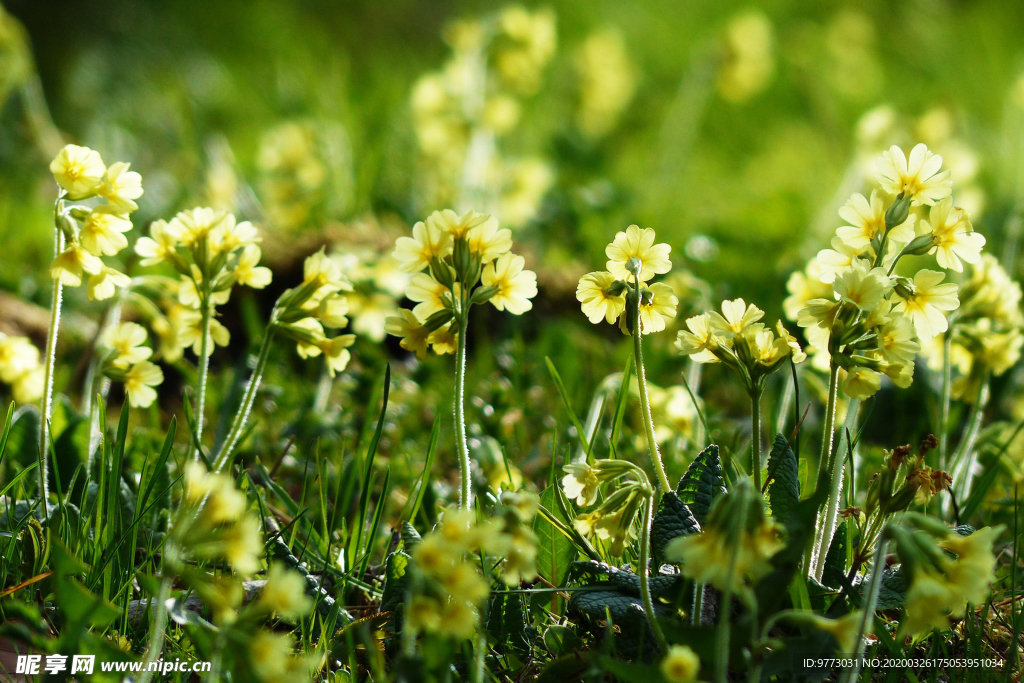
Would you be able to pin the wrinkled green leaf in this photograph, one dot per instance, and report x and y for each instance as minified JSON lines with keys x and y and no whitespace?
{"x":396,"y":580}
{"x":555,"y":552}
{"x":507,"y":622}
{"x":674,"y":519}
{"x":893,"y":591}
{"x":624,"y":580}
{"x":784,"y":484}
{"x":702,"y":482}
{"x":834,"y":571}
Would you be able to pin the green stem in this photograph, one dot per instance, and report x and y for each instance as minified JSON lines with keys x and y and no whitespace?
{"x":827,"y":526}
{"x":238,"y":425}
{"x":755,"y":438}
{"x":947,"y":371}
{"x":156,"y":633}
{"x":965,"y":456}
{"x":48,"y":369}
{"x":466,"y":490}
{"x":870,"y":600}
{"x":645,"y":570}
{"x":722,"y":630}
{"x":645,"y":402}
{"x":824,"y":464}
{"x":204,"y":366}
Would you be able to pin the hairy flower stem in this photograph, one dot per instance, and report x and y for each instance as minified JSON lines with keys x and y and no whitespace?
{"x":755,"y":437}
{"x":645,"y":571}
{"x":48,"y":367}
{"x":870,"y":600}
{"x":466,"y":487}
{"x":645,"y":402}
{"x":156,"y":633}
{"x":947,"y":371}
{"x":824,"y":460}
{"x":826,"y":527}
{"x":245,"y":408}
{"x":204,"y":367}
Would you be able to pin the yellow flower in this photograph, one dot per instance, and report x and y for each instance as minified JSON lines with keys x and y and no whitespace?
{"x":706,"y":556}
{"x":323,"y":271}
{"x":127,"y":342}
{"x":974,"y":569}
{"x":69,"y":266}
{"x":521,"y":558}
{"x":332,"y":312}
{"x":862,"y":285}
{"x":269,"y":654}
{"x":309,"y":335}
{"x":794,"y":346}
{"x":804,"y":286}
{"x":489,"y":242}
{"x":79,"y":170}
{"x":196,"y":224}
{"x":637,"y":244}
{"x":580,"y":483}
{"x":736,"y":316}
{"x":453,"y":224}
{"x":516,"y":286}
{"x":458,"y":620}
{"x":896,"y":342}
{"x":423,"y":614}
{"x":428,"y":241}
{"x":104,"y":284}
{"x":28,"y":386}
{"x":836,"y":260}
{"x":748,"y":62}
{"x":411,"y":330}
{"x":444,"y":339}
{"x":139,"y":382}
{"x":284,"y":593}
{"x":434,"y":556}
{"x":188,"y":291}
{"x":121,"y":187}
{"x":18,"y":355}
{"x":598,"y":298}
{"x":917,"y":178}
{"x":680,"y":665}
{"x":661,"y":308}
{"x":928,"y":603}
{"x":161,"y":243}
{"x":861,"y":383}
{"x":698,"y":340}
{"x":247,"y":272}
{"x":844,"y":629}
{"x":336,"y":352}
{"x":191,"y":332}
{"x":867,"y":221}
{"x":465,"y":583}
{"x":229,"y":235}
{"x":953,"y":236}
{"x":243,"y":543}
{"x":926,"y":302}
{"x":431,"y":296}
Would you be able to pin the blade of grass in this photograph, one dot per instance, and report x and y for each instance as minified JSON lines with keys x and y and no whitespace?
{"x":581,"y":434}
{"x":435,"y":433}
{"x":371,"y":452}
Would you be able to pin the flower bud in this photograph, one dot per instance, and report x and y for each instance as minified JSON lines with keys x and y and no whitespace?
{"x":920,"y":245}
{"x":897,"y":213}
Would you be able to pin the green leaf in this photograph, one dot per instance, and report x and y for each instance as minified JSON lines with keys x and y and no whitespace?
{"x":561,"y":641}
{"x":635,"y":637}
{"x":396,"y":580}
{"x":784,"y":483}
{"x":893,"y":591}
{"x":674,"y":519}
{"x":555,"y":552}
{"x":834,"y":572}
{"x":702,"y":482}
{"x":624,"y":580}
{"x":23,"y":436}
{"x":507,"y":622}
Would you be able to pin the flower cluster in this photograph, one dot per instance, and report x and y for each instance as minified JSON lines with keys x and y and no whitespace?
{"x":448,"y":586}
{"x":461,"y":111}
{"x":377,"y":285}
{"x":948,"y":569}
{"x":457,"y":261}
{"x":20,"y":368}
{"x":735,"y":338}
{"x":748,"y":60}
{"x":127,"y":360}
{"x":211,"y":252}
{"x":736,"y":544}
{"x":608,"y":82}
{"x":95,"y":229}
{"x":613,"y":520}
{"x":858,"y":315}
{"x":633,"y":260}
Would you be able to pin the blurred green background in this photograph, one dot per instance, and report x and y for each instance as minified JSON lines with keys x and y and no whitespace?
{"x":745,"y":186}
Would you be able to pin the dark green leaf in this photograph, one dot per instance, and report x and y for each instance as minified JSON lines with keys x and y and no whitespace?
{"x":784,"y":483}
{"x":396,"y":580}
{"x":834,"y":572}
{"x":555,"y":552}
{"x":624,"y":580}
{"x":507,"y":622}
{"x":674,"y":519}
{"x":702,"y":482}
